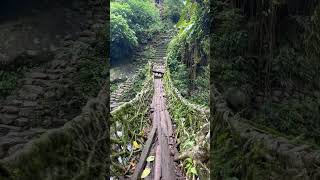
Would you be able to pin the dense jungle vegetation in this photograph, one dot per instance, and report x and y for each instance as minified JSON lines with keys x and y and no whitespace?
{"x":266,"y":59}
{"x":136,"y":22}
{"x":132,"y":23}
{"x":189,"y":49}
{"x":262,"y":56}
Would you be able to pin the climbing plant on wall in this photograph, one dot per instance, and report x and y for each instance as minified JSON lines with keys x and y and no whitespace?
{"x":188,"y":51}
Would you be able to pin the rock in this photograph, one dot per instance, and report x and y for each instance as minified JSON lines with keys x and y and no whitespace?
{"x":58,"y":122}
{"x":32,"y":57}
{"x":33,"y":89}
{"x":25,"y":112}
{"x":36,"y":41}
{"x":10,"y":109}
{"x":54,"y":76}
{"x":3,"y":130}
{"x":22,"y":122}
{"x":37,"y":75}
{"x":46,"y":123}
{"x":50,"y":95}
{"x":86,"y":33}
{"x":30,"y":104}
{"x":15,"y":102}
{"x":277,"y":93}
{"x":42,"y":83}
{"x":30,"y":92}
{"x":8,"y":142}
{"x":32,"y":53}
{"x":28,"y":96}
{"x":3,"y":58}
{"x":87,"y":40}
{"x":7,"y":119}
{"x":259,"y":99}
{"x":68,"y":37}
{"x":26,"y":81}
{"x":236,"y":99}
{"x":52,"y":48}
{"x":275,"y":99}
{"x":11,"y":128}
{"x":15,"y":148}
{"x":286,"y":94}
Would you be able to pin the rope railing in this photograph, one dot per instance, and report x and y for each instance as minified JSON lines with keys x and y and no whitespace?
{"x":128,"y":122}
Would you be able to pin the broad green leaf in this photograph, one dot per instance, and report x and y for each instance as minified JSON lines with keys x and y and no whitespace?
{"x":150,"y":158}
{"x":193,"y":171}
{"x":145,"y":172}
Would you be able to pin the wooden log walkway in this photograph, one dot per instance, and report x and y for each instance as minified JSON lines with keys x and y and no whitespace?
{"x":163,"y":144}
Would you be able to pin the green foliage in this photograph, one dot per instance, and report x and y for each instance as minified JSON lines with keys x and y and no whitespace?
{"x":190,"y":167}
{"x":145,"y":14}
{"x":247,"y":55}
{"x":132,"y":21}
{"x":8,"y":82}
{"x":312,"y":47}
{"x":246,"y":160}
{"x":189,"y":49}
{"x":179,"y":75}
{"x":297,"y":118}
{"x":130,"y":119}
{"x":172,"y":10}
{"x":123,"y":39}
{"x":92,"y":75}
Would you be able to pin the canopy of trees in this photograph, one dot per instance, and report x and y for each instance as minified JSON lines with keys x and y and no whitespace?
{"x":132,"y":22}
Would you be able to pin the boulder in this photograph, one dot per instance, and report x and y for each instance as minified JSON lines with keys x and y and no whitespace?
{"x":236,"y":99}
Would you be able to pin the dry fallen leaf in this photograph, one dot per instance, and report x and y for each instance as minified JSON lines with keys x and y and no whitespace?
{"x":150,"y":158}
{"x":136,"y":145}
{"x":145,"y":172}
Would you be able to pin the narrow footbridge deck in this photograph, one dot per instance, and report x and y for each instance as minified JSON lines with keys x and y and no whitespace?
{"x":161,"y":139}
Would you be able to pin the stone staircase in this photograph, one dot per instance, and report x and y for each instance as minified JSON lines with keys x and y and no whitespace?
{"x":161,"y":48}
{"x":121,"y":89}
{"x":45,"y":97}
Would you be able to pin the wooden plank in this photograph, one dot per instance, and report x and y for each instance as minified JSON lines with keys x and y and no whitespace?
{"x":157,"y":166}
{"x":144,"y":154}
{"x":170,"y":131}
{"x":164,"y":168}
{"x":151,"y":164}
{"x":163,"y":123}
{"x":166,"y":160}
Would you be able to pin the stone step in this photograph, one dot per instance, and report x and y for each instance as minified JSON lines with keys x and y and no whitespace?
{"x":28,"y":96}
{"x":10,"y":109}
{"x":7,"y":119}
{"x":113,"y":105}
{"x":37,"y":75}
{"x":30,"y":104}
{"x":43,"y":83}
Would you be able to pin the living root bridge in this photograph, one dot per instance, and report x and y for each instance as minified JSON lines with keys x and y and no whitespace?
{"x":164,"y":143}
{"x":127,"y":122}
{"x":192,"y":125}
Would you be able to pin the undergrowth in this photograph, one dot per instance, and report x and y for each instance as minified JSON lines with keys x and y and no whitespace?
{"x":92,"y":76}
{"x":8,"y":82}
{"x":245,"y":159}
{"x":128,"y":125}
